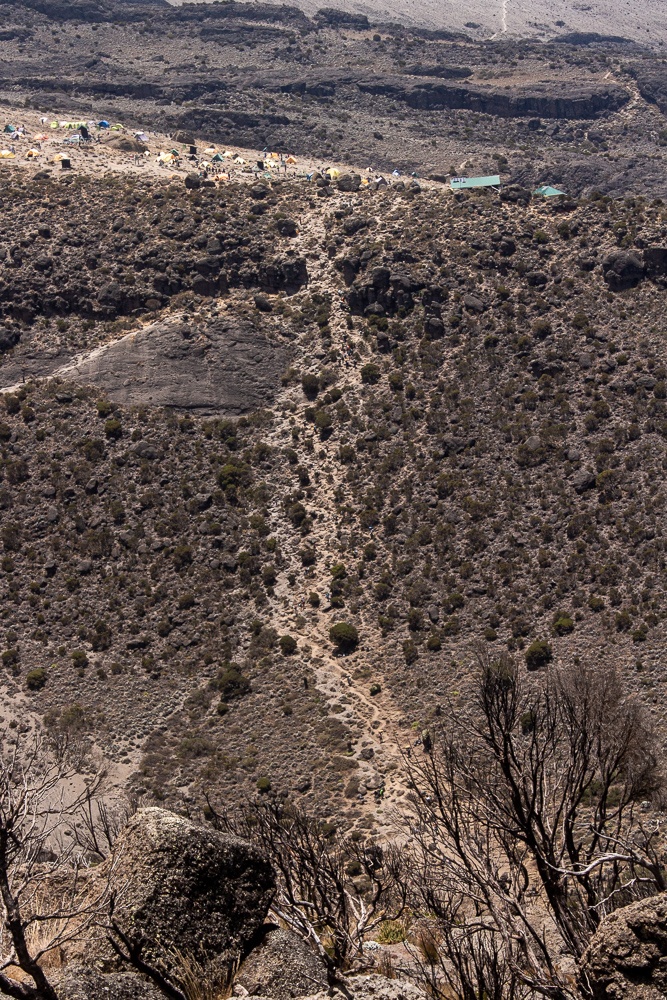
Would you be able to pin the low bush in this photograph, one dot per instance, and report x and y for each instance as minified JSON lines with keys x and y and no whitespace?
{"x":538,"y":654}
{"x":344,"y":636}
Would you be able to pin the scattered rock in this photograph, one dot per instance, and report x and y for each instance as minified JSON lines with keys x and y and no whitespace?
{"x":622,"y":269}
{"x":282,"y":966}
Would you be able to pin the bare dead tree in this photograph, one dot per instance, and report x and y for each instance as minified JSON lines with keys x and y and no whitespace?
{"x":332,"y":890}
{"x":45,"y":902}
{"x":99,"y":821}
{"x":526,"y":805}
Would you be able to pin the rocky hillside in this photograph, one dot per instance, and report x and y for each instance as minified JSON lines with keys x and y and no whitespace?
{"x":437,"y":421}
{"x":583,"y":110}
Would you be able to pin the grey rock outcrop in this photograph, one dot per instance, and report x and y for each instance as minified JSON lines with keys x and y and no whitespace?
{"x":627,"y":958}
{"x":282,"y":967}
{"x":186,"y":888}
{"x":79,"y":982}
{"x":230,"y":366}
{"x":622,"y":269}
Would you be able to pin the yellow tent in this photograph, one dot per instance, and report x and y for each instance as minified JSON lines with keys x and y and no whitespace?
{"x":239,"y":159}
{"x":291,"y":159}
{"x":166,"y":157}
{"x":55,"y":124}
{"x":40,"y":137}
{"x":210,"y":151}
{"x":332,"y":172}
{"x":228,"y":154}
{"x":273,"y":156}
{"x":31,"y":153}
{"x":6,"y":154}
{"x":117,"y":127}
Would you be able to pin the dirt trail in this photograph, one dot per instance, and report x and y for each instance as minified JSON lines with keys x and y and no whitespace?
{"x":373,"y":720}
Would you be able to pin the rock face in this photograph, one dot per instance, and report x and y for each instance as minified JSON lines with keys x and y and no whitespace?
{"x":229,"y":366}
{"x":427,"y":94}
{"x":282,"y":967}
{"x":188,"y":888}
{"x":627,"y":958}
{"x":622,"y":269}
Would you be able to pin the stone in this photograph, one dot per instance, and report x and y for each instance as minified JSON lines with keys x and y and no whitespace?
{"x":583,"y":480}
{"x":79,"y":982}
{"x":622,"y":269}
{"x":349,"y":182}
{"x":627,"y":957}
{"x":193,"y":182}
{"x":282,"y":966}
{"x":187,"y":888}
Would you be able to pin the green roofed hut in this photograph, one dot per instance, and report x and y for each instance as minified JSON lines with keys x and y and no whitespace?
{"x":548,"y":192}
{"x":465,"y":183}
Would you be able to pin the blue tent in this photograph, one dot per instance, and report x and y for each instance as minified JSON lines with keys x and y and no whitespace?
{"x":9,"y":129}
{"x":103,"y":124}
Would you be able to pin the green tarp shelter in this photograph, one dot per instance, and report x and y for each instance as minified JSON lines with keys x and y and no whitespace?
{"x":547,"y":191}
{"x":463,"y":183}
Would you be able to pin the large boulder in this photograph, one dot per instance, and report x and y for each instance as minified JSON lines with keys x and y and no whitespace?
{"x":80,"y":982}
{"x":188,"y":889}
{"x":627,"y":957}
{"x":282,"y":966}
{"x":622,"y":269}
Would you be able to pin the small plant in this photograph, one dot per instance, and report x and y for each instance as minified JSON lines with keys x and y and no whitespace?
{"x":79,"y":659}
{"x":36,"y":679}
{"x":288,"y":645}
{"x":113,"y":429}
{"x":311,"y":385}
{"x":375,"y":689}
{"x":231,"y":683}
{"x":314,"y":599}
{"x":370,"y":374}
{"x":538,"y":654}
{"x":563,"y":625}
{"x":263,"y":785}
{"x":344,"y":636}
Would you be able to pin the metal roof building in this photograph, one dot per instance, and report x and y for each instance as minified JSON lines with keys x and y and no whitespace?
{"x":464,"y":183}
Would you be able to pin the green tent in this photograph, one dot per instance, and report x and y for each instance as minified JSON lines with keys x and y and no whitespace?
{"x":547,"y":191}
{"x":217,"y":158}
{"x":464,"y":183}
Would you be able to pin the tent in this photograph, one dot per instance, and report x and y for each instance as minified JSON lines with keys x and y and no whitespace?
{"x":40,"y":137}
{"x":6,"y":154}
{"x":103,"y":124}
{"x":333,"y":172}
{"x":9,"y":129}
{"x":239,"y":160}
{"x":210,"y":150}
{"x":465,"y":183}
{"x":53,"y":125}
{"x":166,"y":157}
{"x":141,"y":136}
{"x":228,"y":155}
{"x":117,"y":127}
{"x":547,"y":191}
{"x":31,"y":154}
{"x":290,"y":159}
{"x":217,"y":158}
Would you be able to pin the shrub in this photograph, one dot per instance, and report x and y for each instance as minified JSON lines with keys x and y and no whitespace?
{"x":287,"y":644}
{"x":344,"y":636}
{"x":623,"y":621}
{"x":538,"y":654}
{"x":314,"y":599}
{"x":410,"y":651}
{"x":563,"y":625}
{"x":182,"y":557}
{"x":12,"y":404}
{"x":231,"y":683}
{"x":370,"y":374}
{"x":113,"y":429}
{"x":434,"y":643}
{"x":79,"y":659}
{"x":263,"y":785}
{"x":36,"y":679}
{"x":101,"y":637}
{"x":375,"y":689}
{"x":104,"y":408}
{"x":311,"y":385}
{"x":595,"y":603}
